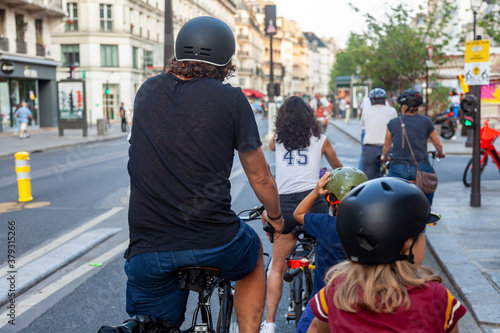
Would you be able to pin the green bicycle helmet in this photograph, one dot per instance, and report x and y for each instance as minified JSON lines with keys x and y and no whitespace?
{"x":343,"y":180}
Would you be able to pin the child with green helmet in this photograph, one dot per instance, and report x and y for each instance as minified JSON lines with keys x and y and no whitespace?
{"x":334,"y":186}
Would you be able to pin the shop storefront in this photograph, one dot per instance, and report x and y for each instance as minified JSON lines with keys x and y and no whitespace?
{"x":32,"y":81}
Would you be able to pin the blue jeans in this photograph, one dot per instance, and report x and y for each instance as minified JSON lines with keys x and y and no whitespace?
{"x":152,"y":279}
{"x":370,"y":162}
{"x":409,"y":172}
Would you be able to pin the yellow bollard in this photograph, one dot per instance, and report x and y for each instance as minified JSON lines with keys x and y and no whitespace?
{"x":23,"y":176}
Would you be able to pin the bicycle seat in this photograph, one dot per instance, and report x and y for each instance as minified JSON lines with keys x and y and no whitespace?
{"x":196,"y":278}
{"x":298,"y":230}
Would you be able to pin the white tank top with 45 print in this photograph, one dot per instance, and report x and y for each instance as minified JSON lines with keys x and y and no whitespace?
{"x":298,"y":170}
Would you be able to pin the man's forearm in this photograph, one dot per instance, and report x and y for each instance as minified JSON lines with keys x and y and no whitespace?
{"x":266,"y":191}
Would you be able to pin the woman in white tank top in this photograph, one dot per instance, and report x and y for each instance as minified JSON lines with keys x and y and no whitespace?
{"x":299,"y":147}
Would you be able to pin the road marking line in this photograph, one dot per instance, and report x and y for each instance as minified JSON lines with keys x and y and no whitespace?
{"x":44,"y":293}
{"x":35,"y":254}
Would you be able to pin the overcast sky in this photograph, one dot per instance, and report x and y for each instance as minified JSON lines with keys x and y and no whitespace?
{"x":335,"y":18}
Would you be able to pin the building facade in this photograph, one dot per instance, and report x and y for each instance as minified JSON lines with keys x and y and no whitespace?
{"x":27,"y":62}
{"x":115,"y":46}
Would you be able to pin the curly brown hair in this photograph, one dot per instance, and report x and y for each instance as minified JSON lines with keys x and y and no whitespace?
{"x":296,"y":123}
{"x":191,"y":69}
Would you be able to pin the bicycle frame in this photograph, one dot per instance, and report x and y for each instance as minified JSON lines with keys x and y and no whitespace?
{"x":491,"y":150}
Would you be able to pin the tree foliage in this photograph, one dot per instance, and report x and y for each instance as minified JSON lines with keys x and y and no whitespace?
{"x":392,"y":52}
{"x":490,"y":20}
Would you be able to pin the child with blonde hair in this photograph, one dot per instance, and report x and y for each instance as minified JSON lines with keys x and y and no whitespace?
{"x":383,"y":287}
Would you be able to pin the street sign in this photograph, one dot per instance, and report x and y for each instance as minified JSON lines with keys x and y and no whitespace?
{"x":477,"y":63}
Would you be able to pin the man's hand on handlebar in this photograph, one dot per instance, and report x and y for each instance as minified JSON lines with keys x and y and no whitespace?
{"x":273,"y":228}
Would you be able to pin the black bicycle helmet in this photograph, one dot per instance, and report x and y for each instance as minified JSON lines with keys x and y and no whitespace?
{"x":377,"y":96}
{"x":205,"y":39}
{"x":376,"y":218}
{"x":410,"y":97}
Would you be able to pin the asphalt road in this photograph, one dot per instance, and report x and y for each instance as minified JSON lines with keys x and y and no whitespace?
{"x":81,"y":183}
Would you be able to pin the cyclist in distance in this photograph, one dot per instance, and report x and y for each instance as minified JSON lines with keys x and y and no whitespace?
{"x":334,"y":187}
{"x":419,"y":128}
{"x":374,"y":119}
{"x":320,"y":106}
{"x":299,"y":147}
{"x":187,"y":125}
{"x":383,"y":286}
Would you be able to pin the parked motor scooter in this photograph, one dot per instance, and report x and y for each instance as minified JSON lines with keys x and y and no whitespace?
{"x":448,"y":123}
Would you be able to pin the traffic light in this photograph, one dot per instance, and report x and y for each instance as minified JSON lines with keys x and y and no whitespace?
{"x":270,"y":89}
{"x":107,"y":90}
{"x":469,"y":107}
{"x":277,"y":89}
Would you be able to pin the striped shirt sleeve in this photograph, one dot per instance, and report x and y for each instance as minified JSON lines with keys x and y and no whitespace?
{"x":454,"y":311}
{"x":318,"y":305}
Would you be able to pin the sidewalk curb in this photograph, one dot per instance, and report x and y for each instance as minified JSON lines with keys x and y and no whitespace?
{"x":85,"y":140}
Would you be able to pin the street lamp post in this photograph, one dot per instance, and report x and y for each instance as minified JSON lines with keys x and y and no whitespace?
{"x":475,"y":199}
{"x":428,"y":63}
{"x":475,"y":5}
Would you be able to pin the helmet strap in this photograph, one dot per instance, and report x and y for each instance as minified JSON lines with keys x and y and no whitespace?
{"x":410,"y":257}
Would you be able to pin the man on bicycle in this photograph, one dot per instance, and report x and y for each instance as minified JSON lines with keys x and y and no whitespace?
{"x":187,"y":124}
{"x":374,"y":119}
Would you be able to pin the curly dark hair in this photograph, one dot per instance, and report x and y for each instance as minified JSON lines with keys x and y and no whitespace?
{"x":296,"y":123}
{"x":191,"y":69}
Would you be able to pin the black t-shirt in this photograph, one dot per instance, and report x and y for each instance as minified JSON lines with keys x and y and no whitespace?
{"x":180,"y":159}
{"x":418,"y":128}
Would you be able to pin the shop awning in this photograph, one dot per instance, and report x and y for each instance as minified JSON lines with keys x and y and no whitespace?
{"x":252,"y":93}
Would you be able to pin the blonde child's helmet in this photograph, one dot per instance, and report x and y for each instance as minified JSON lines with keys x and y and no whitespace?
{"x":343,"y":180}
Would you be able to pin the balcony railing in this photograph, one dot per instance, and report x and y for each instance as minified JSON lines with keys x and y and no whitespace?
{"x":244,"y":37}
{"x":243,"y":53}
{"x":21,"y":46}
{"x":4,"y":44}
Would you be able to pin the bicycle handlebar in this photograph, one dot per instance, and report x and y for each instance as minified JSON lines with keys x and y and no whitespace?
{"x":256,"y":213}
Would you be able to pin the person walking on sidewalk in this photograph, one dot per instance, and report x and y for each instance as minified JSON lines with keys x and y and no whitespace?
{"x":23,"y":114}
{"x":419,"y":129}
{"x":374,"y":119}
{"x":299,"y":147}
{"x":124,"y":118}
{"x":180,"y":160}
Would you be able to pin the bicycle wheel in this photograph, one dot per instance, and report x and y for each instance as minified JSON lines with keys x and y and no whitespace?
{"x":467,"y":178}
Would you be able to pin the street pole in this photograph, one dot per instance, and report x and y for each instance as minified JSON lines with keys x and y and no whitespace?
{"x":426,"y":89}
{"x":475,"y":195}
{"x":168,"y":51}
{"x":270,"y":104}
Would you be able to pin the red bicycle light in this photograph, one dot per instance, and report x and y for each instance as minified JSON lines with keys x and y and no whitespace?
{"x":304,"y":262}
{"x":293,"y":263}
